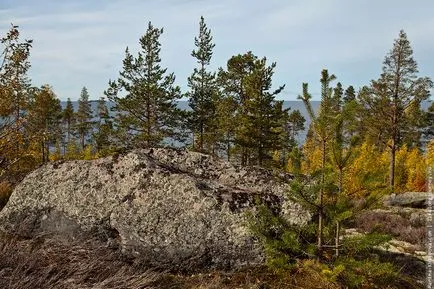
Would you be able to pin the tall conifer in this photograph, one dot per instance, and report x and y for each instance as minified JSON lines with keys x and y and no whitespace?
{"x":393,"y":99}
{"x":84,"y":117}
{"x":147,"y":112}
{"x":202,"y":87}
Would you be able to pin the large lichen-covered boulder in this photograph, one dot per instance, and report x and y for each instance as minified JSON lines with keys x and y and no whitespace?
{"x":173,"y":209}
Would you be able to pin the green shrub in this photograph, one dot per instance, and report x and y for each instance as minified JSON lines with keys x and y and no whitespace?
{"x":284,"y":243}
{"x":367,"y":273}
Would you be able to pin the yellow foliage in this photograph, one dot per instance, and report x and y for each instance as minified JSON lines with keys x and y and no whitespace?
{"x":410,"y":169}
{"x":319,"y":274}
{"x":430,"y":156}
{"x":57,"y":155}
{"x":290,"y":167}
{"x":370,"y":170}
{"x":87,"y":153}
{"x":367,"y":172}
{"x":72,"y":151}
{"x":276,"y":156}
{"x":401,"y":172}
{"x":313,"y":157}
{"x":416,"y":167}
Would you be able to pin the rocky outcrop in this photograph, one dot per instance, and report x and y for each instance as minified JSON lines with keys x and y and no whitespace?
{"x":409,"y":199}
{"x":170,"y":208}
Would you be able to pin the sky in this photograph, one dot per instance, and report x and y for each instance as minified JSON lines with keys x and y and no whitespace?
{"x":82,"y":42}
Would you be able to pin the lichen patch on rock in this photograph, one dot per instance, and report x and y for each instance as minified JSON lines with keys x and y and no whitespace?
{"x":171,"y":208}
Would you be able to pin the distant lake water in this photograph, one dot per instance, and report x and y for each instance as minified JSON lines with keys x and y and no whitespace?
{"x":293,"y":105}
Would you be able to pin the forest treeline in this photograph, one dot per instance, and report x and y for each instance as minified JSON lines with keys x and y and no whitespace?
{"x":377,"y":132}
{"x":362,"y":142}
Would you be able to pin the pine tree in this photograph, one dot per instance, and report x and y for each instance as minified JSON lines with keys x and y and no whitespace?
{"x":389,"y":98}
{"x":414,"y":126}
{"x":350,"y":94}
{"x":261,"y":122}
{"x":234,"y":86}
{"x":15,"y":95}
{"x":102,"y":111}
{"x":68,"y":117}
{"x":428,"y":131}
{"x":226,"y":109}
{"x":342,"y":148}
{"x":147,"y":113}
{"x":296,"y":123}
{"x":45,"y":116}
{"x":104,"y":128}
{"x":14,"y":82}
{"x":322,"y":126}
{"x":84,"y":117}
{"x":292,"y":124}
{"x":202,"y":87}
{"x":248,"y":83}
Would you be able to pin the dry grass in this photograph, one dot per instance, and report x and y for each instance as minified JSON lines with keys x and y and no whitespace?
{"x":50,"y":263}
{"x":44,"y":263}
{"x":257,"y":278}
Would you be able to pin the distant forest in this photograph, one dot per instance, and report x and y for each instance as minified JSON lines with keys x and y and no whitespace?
{"x":233,"y":113}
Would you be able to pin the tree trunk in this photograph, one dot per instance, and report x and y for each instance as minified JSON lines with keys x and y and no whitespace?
{"x":337,"y":222}
{"x":201,"y":137}
{"x":148,"y":124}
{"x":68,"y":131}
{"x":394,"y":138}
{"x":321,"y":195}
{"x":337,"y":239}
{"x":47,"y":152}
{"x":392,"y":167}
{"x":82,"y":140}
{"x":202,"y":118}
{"x":260,"y":154}
{"x":43,"y":151}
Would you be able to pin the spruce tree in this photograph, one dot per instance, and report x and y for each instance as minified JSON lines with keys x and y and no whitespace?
{"x":389,"y":98}
{"x":202,"y":87}
{"x":84,"y":117}
{"x":147,"y":113}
